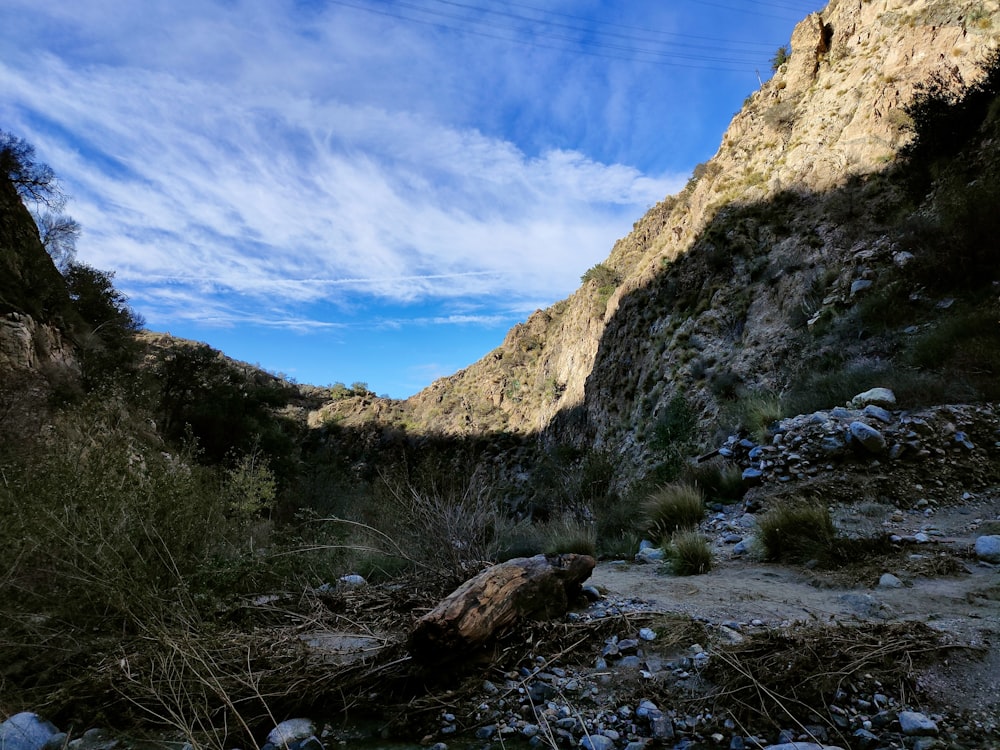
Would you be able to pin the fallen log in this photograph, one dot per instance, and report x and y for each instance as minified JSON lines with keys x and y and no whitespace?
{"x":538,"y":587}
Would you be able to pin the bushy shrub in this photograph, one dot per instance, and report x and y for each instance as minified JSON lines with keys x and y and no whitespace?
{"x":757,"y":411}
{"x":718,"y":480}
{"x":674,"y":507}
{"x":796,"y":531}
{"x":945,"y":120}
{"x":689,"y":554}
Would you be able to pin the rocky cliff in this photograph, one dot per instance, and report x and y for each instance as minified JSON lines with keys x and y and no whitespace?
{"x":754,"y":276}
{"x":35,"y":309}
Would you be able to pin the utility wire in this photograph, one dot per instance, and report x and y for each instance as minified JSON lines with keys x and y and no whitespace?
{"x":588,"y":28}
{"x":585,"y":47}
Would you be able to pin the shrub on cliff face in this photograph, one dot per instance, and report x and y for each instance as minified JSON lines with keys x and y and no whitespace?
{"x":945,"y":120}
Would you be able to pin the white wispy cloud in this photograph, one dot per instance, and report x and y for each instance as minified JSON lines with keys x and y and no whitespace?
{"x":274,"y":176}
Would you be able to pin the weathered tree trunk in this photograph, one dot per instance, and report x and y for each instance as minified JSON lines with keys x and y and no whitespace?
{"x":536,"y":587}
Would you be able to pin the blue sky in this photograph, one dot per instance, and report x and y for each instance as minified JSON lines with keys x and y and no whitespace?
{"x":370,"y":190}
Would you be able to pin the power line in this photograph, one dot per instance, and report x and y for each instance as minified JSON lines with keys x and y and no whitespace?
{"x":589,"y":28}
{"x":731,"y":62}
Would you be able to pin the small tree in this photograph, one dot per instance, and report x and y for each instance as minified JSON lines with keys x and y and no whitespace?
{"x":58,"y":233}
{"x":108,"y":345}
{"x":34,"y":181}
{"x":781,"y":56}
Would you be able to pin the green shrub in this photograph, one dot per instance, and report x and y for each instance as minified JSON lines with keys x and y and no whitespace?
{"x":796,"y":531}
{"x":757,"y":411}
{"x":569,"y":535}
{"x":673,"y":507}
{"x":689,"y":554}
{"x":717,"y":480}
{"x":781,"y":56}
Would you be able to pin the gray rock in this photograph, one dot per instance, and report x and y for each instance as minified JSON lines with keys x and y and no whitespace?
{"x":877,"y":412}
{"x":868,"y":437}
{"x":865,"y":740}
{"x":802,"y":746}
{"x":597,"y":742}
{"x":661,"y":727}
{"x":487,"y":732}
{"x":742,"y":548}
{"x":859,"y":286}
{"x":25,"y":731}
{"x":288,"y":732}
{"x":914,"y":723}
{"x":889,"y":581}
{"x":879,"y":396}
{"x":988,"y":548}
{"x":94,"y":739}
{"x":647,"y":634}
{"x":644,"y":709}
{"x":865,"y":605}
{"x":753,"y":476}
{"x":650,"y":555}
{"x":962,"y":440}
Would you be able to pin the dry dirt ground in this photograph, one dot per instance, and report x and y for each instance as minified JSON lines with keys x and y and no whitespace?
{"x":944,"y":586}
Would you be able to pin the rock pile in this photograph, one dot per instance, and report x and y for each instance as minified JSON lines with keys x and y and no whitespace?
{"x":946,"y":441}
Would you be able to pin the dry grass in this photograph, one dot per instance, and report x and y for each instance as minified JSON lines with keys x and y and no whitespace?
{"x":787,"y":678}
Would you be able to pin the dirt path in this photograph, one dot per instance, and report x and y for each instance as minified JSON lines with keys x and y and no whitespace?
{"x":964,"y":604}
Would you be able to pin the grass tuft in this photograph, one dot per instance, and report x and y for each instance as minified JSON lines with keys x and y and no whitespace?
{"x":689,"y":554}
{"x":796,"y":531}
{"x":673,"y":507}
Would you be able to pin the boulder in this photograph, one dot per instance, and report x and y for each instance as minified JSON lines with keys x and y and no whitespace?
{"x":878,"y":396}
{"x":25,"y":731}
{"x":867,"y":437}
{"x":988,"y":548}
{"x":914,"y":723}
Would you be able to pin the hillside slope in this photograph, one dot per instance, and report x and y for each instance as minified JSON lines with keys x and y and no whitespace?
{"x":718,"y":283}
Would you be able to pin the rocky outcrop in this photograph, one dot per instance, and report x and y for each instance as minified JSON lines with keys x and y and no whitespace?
{"x":35,"y":310}
{"x":782,"y":228}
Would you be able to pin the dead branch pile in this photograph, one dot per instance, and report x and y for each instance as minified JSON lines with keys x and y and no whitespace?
{"x":793,"y":676}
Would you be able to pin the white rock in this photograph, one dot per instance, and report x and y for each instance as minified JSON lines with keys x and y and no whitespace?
{"x":25,"y":731}
{"x":291,"y":731}
{"x":879,"y":396}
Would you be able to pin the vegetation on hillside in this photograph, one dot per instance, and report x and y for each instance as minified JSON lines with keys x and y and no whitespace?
{"x":172,"y":486}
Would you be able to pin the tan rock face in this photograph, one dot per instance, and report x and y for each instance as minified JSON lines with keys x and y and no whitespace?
{"x":27,"y":345}
{"x":832,"y":112}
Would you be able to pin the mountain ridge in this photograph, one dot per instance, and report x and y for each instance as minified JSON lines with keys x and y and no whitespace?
{"x":833,"y":113}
